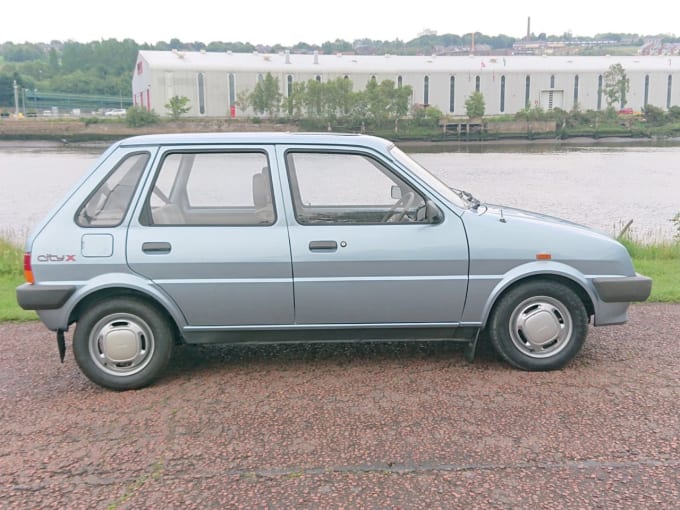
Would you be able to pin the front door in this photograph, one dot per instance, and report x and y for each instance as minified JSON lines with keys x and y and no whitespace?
{"x":363,"y":249}
{"x":210,"y":235}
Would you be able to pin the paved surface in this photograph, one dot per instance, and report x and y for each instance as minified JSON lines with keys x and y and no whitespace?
{"x":349,"y":426}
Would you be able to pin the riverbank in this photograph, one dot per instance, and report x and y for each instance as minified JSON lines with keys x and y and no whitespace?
{"x":103,"y":131}
{"x":79,"y":130}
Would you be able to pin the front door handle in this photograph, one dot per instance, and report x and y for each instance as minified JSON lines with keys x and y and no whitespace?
{"x":323,"y":246}
{"x":156,"y":248}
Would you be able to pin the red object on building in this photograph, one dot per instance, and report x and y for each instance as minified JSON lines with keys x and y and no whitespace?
{"x":148,"y":99}
{"x":232,"y":111}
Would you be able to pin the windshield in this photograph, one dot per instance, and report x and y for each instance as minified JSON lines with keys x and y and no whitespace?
{"x":439,"y":186}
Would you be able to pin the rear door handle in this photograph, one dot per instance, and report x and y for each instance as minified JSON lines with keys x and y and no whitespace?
{"x":156,"y":247}
{"x":323,"y":246}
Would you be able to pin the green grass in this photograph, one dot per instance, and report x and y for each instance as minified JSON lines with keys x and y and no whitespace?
{"x":11,"y":276}
{"x":660,"y":261}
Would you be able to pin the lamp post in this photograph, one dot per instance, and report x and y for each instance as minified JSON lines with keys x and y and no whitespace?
{"x":16,"y":99}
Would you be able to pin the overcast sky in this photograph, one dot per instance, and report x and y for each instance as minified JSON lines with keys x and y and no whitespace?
{"x":291,"y":21}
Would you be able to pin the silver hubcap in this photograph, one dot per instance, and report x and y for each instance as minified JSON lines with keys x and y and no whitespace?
{"x":121,"y":344}
{"x":541,"y":326}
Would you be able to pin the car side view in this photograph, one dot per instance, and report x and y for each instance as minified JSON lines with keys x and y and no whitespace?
{"x":279,"y":237}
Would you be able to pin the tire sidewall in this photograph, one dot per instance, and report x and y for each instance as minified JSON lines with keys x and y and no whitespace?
{"x":157,"y":323}
{"x":499,"y":325}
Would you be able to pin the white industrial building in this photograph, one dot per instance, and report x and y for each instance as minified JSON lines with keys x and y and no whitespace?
{"x":212,"y":81}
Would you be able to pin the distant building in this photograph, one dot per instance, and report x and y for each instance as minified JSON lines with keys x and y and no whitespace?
{"x":658,"y":47}
{"x":213,"y":81}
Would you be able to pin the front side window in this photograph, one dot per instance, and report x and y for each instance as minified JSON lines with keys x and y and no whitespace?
{"x":350,"y":188}
{"x":108,"y":204}
{"x":211,"y":188}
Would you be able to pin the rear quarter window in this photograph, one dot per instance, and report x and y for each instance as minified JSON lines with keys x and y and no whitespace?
{"x":107,"y":205}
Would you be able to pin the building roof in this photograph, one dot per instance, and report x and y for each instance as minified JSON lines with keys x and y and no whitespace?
{"x":394,"y":64}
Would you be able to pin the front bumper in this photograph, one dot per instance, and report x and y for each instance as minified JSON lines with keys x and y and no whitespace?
{"x":623,"y":289}
{"x":43,"y":297}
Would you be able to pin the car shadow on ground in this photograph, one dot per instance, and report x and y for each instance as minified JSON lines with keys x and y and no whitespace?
{"x":198,"y":359}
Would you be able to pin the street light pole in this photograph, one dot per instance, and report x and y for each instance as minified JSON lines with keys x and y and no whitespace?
{"x":16,"y":99}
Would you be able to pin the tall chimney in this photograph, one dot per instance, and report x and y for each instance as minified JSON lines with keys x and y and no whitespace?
{"x":528,"y":27}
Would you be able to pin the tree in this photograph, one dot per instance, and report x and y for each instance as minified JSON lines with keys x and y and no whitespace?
{"x":313,"y":98}
{"x":397,"y":99}
{"x":474,"y":105}
{"x":295,"y":101}
{"x":616,"y":85}
{"x":377,"y":101}
{"x":177,"y":106}
{"x":337,"y":99}
{"x":266,"y":97}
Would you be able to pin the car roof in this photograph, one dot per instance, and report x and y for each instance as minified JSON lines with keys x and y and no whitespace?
{"x":283,"y":138}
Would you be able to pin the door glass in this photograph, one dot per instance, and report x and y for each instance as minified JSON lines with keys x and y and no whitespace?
{"x":347,"y":188}
{"x":212,"y":188}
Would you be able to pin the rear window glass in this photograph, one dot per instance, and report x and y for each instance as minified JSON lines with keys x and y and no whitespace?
{"x":107,"y":205}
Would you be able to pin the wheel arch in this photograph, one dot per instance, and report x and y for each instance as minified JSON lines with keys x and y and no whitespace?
{"x":106,"y":293}
{"x":568,"y":280}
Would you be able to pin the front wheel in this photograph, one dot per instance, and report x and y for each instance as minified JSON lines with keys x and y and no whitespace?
{"x":539,"y":325}
{"x":122,"y":343}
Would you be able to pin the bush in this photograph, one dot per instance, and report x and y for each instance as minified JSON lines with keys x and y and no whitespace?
{"x":137,"y":116}
{"x":654,"y":115}
{"x":92,"y":120}
{"x":426,"y":116}
{"x":674,"y":113}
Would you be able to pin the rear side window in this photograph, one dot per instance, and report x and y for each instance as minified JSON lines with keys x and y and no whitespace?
{"x":212,"y":189}
{"x":107,"y":205}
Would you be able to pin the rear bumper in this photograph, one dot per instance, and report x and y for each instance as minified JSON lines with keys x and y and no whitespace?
{"x":623,"y":289}
{"x":43,"y":297}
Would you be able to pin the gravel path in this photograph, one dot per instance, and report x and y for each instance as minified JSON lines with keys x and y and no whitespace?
{"x":349,"y":426}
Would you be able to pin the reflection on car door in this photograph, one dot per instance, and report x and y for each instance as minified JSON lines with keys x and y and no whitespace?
{"x":362,"y":250}
{"x":208,"y":234}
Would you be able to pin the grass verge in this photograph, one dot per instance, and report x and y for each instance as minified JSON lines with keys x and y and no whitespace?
{"x":659,"y":261}
{"x":11,"y":276}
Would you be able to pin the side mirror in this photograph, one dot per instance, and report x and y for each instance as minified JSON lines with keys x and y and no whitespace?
{"x":433,"y":213}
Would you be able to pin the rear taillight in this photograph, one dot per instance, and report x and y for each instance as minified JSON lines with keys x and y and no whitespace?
{"x":28,"y":270}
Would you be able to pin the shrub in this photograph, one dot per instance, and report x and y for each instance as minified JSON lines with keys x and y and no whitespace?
{"x":674,"y":113}
{"x":91,"y":120}
{"x":137,"y":116}
{"x":653,"y":115}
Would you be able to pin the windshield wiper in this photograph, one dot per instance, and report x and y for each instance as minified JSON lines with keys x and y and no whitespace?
{"x":467,"y":196}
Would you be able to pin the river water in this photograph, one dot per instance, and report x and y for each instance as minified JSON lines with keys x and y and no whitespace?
{"x":599,"y":185}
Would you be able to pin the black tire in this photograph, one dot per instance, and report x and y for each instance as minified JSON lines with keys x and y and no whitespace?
{"x":122,"y":343}
{"x":538,"y":325}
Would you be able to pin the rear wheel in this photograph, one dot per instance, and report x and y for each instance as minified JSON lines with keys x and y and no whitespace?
{"x":122,"y":343}
{"x":539,"y":325}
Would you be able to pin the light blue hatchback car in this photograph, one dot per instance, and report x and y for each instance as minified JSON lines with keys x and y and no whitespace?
{"x":256,"y":237}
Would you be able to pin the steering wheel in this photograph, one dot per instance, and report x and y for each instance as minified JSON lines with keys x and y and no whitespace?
{"x":397,"y":212}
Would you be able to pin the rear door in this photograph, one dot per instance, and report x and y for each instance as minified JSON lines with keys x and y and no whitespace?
{"x":210,"y":233}
{"x":363,"y":250}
